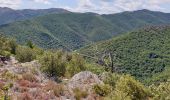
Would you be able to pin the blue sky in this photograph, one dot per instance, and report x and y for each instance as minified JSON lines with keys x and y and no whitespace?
{"x":98,"y":6}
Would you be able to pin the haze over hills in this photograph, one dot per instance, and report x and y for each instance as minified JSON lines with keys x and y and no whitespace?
{"x":75,"y":30}
{"x":8,"y":15}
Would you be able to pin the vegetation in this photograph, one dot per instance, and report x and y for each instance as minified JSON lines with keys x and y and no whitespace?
{"x":9,"y":15}
{"x":161,"y":91}
{"x":63,"y":64}
{"x":71,"y":31}
{"x":59,"y":64}
{"x":75,"y":65}
{"x":102,"y":89}
{"x":132,"y":88}
{"x":7,"y":46}
{"x":143,"y":53}
{"x":53,"y":64}
{"x":25,"y":54}
{"x":79,"y":94}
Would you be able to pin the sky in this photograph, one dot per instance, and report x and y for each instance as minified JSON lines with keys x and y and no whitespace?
{"x":97,"y":6}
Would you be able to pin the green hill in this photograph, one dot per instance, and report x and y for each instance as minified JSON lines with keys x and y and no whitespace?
{"x":8,"y":15}
{"x":141,"y":53}
{"x":75,"y":30}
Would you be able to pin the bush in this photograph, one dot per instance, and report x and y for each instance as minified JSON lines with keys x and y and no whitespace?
{"x":75,"y":65}
{"x":78,"y":94}
{"x":7,"y":46}
{"x":94,"y":68}
{"x":110,"y":78}
{"x":132,"y":88}
{"x":102,"y":89}
{"x":53,"y":64}
{"x":117,"y":95}
{"x":25,"y":54}
{"x":161,"y":92}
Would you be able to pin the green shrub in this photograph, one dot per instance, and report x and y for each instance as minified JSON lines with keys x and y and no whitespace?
{"x":7,"y":46}
{"x":75,"y":65}
{"x":6,"y":54}
{"x":110,"y":78}
{"x":117,"y":95}
{"x":25,"y":54}
{"x":161,"y":92}
{"x":94,"y":68}
{"x":132,"y":88}
{"x":53,"y":64}
{"x":102,"y":89}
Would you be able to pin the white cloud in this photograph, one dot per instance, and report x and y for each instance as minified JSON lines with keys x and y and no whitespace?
{"x":42,"y":1}
{"x":10,"y":3}
{"x":114,"y":6}
{"x":98,"y":6}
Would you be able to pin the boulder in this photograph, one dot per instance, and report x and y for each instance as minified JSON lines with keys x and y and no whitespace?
{"x":84,"y":80}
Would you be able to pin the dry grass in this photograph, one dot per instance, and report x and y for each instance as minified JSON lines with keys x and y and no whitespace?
{"x":58,"y":89}
{"x":30,"y":77}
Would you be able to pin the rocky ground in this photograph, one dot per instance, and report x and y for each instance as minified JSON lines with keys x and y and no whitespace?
{"x":24,"y":81}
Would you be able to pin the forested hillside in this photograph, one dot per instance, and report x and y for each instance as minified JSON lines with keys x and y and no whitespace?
{"x":74,"y":30}
{"x":141,"y":53}
{"x":8,"y":15}
{"x":29,"y":72}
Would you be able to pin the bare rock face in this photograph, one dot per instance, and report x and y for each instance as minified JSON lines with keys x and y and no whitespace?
{"x":84,"y":80}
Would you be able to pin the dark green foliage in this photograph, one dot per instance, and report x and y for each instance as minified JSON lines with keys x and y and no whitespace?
{"x":140,"y":53}
{"x":159,"y":77}
{"x":60,"y":63}
{"x":53,"y":64}
{"x":25,"y":54}
{"x":71,"y":31}
{"x":7,"y":46}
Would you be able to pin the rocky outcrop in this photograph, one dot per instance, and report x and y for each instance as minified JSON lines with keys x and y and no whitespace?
{"x":84,"y":80}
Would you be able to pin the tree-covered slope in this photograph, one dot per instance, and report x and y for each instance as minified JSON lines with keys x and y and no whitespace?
{"x":71,"y":30}
{"x":75,"y":30}
{"x":132,"y":20}
{"x":8,"y":15}
{"x":141,"y":53}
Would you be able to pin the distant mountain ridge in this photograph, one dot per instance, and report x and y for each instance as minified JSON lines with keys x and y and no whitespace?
{"x":8,"y":15}
{"x":72,"y":31}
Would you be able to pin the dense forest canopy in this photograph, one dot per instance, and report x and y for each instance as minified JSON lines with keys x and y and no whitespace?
{"x":71,"y":31}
